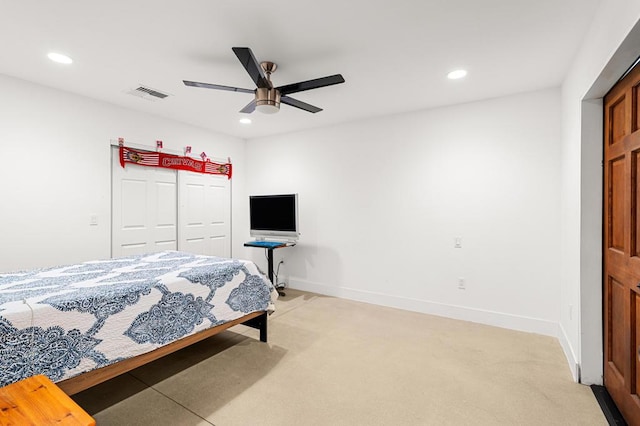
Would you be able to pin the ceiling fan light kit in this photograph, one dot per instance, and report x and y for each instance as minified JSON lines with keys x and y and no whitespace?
{"x":267,"y":98}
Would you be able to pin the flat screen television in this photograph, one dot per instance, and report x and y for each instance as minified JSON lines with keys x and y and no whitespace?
{"x":274,"y":216}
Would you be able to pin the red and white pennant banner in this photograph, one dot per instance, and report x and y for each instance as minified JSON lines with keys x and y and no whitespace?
{"x":169,"y":161}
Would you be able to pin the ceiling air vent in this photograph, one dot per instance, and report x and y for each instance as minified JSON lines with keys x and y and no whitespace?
{"x":148,"y":93}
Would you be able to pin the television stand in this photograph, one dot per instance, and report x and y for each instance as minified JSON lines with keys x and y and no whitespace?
{"x":270,"y":246}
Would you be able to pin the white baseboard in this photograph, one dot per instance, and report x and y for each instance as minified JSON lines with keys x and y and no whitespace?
{"x":497,"y":319}
{"x":568,"y":353}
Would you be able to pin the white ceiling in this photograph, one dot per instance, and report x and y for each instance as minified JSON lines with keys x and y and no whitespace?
{"x":394,"y":55}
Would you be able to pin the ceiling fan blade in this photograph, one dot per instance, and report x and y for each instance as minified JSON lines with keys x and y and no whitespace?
{"x":299,"y":104}
{"x":311,"y":84}
{"x":251,"y":106}
{"x":249,"y":62}
{"x":216,"y":86}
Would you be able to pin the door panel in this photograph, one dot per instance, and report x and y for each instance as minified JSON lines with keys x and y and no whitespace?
{"x":636,"y":336}
{"x":144,"y":213}
{"x":636,"y":111}
{"x":617,"y":112}
{"x":205,"y":212}
{"x":635,"y":223}
{"x":616,"y":204}
{"x":616,"y":320}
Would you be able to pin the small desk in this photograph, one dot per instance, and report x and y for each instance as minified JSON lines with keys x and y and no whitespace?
{"x":270,"y":246}
{"x":37,"y":401}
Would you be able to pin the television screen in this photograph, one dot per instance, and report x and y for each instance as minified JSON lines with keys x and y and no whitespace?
{"x":274,"y":216}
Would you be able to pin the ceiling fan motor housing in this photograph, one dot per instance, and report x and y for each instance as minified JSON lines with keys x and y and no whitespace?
{"x":267,"y":100}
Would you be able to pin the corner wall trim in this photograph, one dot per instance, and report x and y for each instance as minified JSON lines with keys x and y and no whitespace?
{"x":569,"y":354}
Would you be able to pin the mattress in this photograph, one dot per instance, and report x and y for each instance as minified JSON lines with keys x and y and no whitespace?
{"x":67,"y":320}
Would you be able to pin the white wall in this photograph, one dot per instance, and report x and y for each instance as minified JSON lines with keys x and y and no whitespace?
{"x":382,"y":200}
{"x":56,"y":167}
{"x":610,"y":46}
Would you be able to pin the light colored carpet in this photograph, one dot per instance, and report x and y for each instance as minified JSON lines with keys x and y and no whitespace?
{"x":338,"y":362}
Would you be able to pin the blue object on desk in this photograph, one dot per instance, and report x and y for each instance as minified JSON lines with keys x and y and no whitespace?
{"x":265,"y":244}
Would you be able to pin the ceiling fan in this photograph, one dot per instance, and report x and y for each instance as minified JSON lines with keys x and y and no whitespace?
{"x":268,"y":98}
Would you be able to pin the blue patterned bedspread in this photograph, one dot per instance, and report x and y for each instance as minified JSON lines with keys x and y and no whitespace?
{"x":67,"y":320}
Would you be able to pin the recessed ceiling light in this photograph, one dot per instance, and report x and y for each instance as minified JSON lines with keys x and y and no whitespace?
{"x":454,"y":75}
{"x":59,"y":58}
{"x":245,"y":120}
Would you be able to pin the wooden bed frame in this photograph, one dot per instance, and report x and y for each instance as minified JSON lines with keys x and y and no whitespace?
{"x":91,"y":378}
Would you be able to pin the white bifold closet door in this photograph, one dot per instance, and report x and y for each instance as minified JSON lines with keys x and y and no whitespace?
{"x":155,"y":209}
{"x":205,"y":214}
{"x":144,"y":209}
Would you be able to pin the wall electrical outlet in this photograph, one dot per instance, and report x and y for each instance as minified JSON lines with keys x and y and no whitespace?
{"x":461,"y":284}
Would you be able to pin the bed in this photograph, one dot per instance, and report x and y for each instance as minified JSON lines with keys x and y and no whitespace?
{"x":82,"y":324}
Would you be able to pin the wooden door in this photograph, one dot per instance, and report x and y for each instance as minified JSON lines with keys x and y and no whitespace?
{"x":621,"y":294}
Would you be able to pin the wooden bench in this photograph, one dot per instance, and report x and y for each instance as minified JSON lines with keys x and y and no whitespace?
{"x":38,"y":401}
